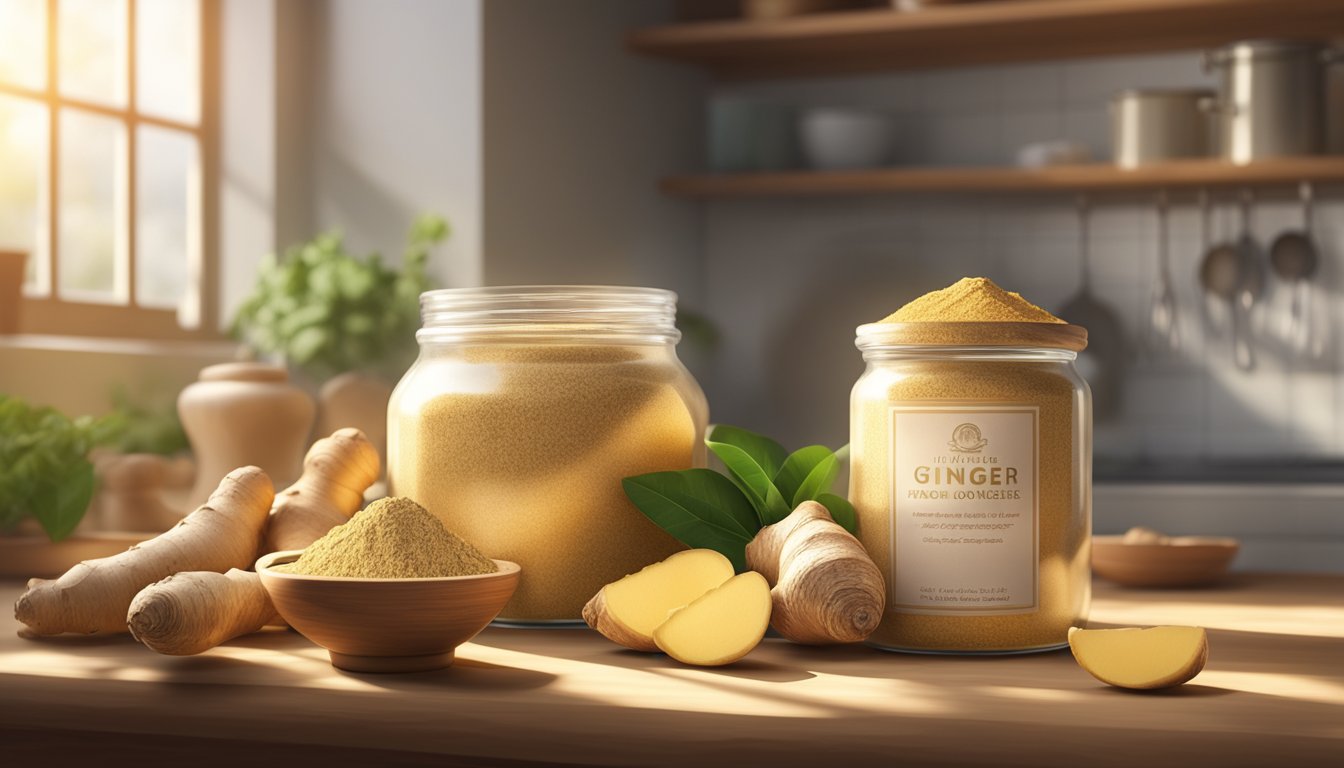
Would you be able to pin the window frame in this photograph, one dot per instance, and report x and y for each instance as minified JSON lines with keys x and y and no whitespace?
{"x":53,"y":314}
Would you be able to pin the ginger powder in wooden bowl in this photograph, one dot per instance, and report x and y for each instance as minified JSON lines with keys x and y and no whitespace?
{"x":971,"y":433}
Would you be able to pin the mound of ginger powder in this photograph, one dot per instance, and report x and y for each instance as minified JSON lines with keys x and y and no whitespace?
{"x":971,"y":472}
{"x":393,"y":538}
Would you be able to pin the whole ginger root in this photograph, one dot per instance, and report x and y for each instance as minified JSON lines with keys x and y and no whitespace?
{"x":95,"y":595}
{"x":192,"y":612}
{"x":825,"y":587}
{"x":336,"y":473}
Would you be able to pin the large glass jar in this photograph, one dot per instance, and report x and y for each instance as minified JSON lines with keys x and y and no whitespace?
{"x":971,"y":476}
{"x":526,"y":408}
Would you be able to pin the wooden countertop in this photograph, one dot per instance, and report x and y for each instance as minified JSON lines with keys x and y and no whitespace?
{"x":1272,"y":693}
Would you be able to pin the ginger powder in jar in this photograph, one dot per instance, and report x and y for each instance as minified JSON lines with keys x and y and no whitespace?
{"x":527,"y":407}
{"x":971,"y":433}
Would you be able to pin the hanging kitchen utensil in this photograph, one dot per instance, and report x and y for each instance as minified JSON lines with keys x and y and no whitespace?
{"x":1220,"y":275}
{"x":1164,"y":335}
{"x":1250,"y":287}
{"x":1214,"y":307}
{"x":1294,"y":258}
{"x":1102,"y":363}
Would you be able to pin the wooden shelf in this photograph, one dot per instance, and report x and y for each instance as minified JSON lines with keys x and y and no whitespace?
{"x":979,"y":33}
{"x":1063,"y":178}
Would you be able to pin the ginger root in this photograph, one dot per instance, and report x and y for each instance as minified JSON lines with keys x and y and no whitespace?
{"x":825,"y":587}
{"x":627,"y":611}
{"x":336,"y":472}
{"x":719,"y":627}
{"x":198,"y":611}
{"x":94,"y":595}
{"x":194,"y":611}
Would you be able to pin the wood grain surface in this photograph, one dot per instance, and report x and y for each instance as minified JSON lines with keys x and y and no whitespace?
{"x":1272,"y":694}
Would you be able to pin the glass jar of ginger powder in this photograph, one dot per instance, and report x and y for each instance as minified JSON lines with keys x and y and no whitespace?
{"x":526,"y":408}
{"x":971,"y":434}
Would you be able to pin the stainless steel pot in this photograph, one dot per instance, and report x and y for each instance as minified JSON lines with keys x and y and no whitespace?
{"x":1156,"y":125}
{"x":1271,"y":98}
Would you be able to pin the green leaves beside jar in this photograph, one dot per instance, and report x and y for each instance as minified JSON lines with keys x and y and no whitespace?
{"x":327,"y":311}
{"x":704,"y":509}
{"x":45,"y":472}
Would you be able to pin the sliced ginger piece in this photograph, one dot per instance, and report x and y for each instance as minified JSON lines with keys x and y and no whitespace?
{"x":1142,"y":659}
{"x":721,"y":626}
{"x":627,"y":611}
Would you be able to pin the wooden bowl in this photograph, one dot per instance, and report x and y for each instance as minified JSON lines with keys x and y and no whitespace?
{"x":387,"y":625}
{"x":1182,"y":561}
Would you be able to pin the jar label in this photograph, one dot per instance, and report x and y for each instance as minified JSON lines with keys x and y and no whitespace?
{"x":964,"y":509}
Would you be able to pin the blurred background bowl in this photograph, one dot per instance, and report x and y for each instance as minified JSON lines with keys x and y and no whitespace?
{"x":1182,"y":561}
{"x":846,"y":139}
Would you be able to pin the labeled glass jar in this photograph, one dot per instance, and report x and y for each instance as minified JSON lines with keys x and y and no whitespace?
{"x":525,"y":410}
{"x":971,"y":475}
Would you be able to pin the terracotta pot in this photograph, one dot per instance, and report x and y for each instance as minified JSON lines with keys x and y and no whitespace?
{"x":241,"y":414}
{"x":11,"y":290}
{"x":356,"y":400}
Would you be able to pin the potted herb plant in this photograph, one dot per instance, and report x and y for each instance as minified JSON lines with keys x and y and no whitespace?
{"x":344,"y":322}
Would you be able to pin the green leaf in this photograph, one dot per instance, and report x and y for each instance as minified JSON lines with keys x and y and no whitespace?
{"x":754,"y":481}
{"x":698,"y":507}
{"x":767,"y":453}
{"x":796,"y":468}
{"x":841,"y":511}
{"x":818,"y":481}
{"x":63,"y":499}
{"x":307,"y":344}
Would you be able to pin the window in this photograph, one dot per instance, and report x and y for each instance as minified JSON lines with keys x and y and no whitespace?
{"x":105,"y":155}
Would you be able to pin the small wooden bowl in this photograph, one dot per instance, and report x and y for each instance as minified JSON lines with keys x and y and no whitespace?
{"x":387,"y":625}
{"x":1182,"y":561}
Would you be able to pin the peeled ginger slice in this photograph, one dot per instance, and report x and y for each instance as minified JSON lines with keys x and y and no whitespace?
{"x":721,"y":626}
{"x":627,"y":611}
{"x":1141,"y":659}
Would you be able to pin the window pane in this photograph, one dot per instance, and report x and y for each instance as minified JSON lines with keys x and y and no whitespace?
{"x":93,"y":57}
{"x":23,"y":186}
{"x":92,"y":206}
{"x":167,"y":216}
{"x":23,"y":43}
{"x":168,"y":58}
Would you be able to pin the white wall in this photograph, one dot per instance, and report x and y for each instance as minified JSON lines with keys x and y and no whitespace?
{"x":393,"y":126}
{"x":248,"y":110}
{"x":578,"y":132}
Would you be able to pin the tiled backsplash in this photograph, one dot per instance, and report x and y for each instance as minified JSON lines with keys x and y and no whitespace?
{"x":801,"y":273}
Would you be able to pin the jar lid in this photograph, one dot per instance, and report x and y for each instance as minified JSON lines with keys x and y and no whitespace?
{"x":972,"y":334}
{"x":595,"y":313}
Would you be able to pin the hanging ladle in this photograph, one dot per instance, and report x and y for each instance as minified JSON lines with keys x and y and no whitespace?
{"x":1163,"y":332}
{"x":1294,"y":258}
{"x":1234,"y":272}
